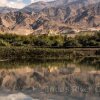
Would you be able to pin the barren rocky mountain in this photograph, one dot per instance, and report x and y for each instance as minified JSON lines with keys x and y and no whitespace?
{"x":39,"y":6}
{"x":7,"y":9}
{"x":52,"y":17}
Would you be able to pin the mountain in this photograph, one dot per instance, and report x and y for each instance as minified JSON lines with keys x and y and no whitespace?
{"x":38,"y":6}
{"x":52,"y":17}
{"x":7,"y":9}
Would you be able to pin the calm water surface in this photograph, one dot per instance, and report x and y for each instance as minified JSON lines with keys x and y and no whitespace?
{"x":77,"y":79}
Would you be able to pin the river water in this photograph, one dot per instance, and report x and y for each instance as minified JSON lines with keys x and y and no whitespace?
{"x":77,"y":79}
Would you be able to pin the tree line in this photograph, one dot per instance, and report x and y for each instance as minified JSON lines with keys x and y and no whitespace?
{"x":50,"y":41}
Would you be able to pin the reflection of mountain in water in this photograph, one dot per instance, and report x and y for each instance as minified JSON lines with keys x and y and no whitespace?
{"x":57,"y":81}
{"x":17,"y":96}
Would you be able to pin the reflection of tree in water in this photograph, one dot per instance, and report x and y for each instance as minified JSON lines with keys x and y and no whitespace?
{"x":87,"y":61}
{"x":90,"y":61}
{"x":33,"y":63}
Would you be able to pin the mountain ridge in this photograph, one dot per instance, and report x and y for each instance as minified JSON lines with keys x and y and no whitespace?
{"x":7,"y":9}
{"x":43,"y":18}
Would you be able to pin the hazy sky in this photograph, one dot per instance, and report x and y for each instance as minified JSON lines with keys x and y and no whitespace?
{"x":17,"y":3}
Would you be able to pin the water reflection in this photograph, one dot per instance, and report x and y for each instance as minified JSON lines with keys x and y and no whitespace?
{"x":77,"y":79}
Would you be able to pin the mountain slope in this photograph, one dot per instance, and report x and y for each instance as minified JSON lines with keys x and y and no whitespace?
{"x":52,"y":17}
{"x":7,"y":9}
{"x":38,"y":6}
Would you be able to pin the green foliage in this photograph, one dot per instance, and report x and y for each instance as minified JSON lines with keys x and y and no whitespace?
{"x":71,"y":42}
{"x":3,"y":43}
{"x":36,"y":53}
{"x":50,"y":41}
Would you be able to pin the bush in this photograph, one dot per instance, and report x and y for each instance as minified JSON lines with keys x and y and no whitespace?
{"x":50,"y":41}
{"x":71,"y":42}
{"x":3,"y":43}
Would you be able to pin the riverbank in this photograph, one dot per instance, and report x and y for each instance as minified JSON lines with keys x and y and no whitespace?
{"x":46,"y":53}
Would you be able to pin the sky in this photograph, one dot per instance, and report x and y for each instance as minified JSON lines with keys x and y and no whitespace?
{"x":17,"y":3}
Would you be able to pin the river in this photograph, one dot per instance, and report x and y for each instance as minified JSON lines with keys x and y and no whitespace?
{"x":77,"y":79}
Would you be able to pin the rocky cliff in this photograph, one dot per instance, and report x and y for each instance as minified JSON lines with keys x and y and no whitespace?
{"x":53,"y":17}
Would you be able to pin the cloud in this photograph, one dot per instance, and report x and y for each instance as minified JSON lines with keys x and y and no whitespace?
{"x":12,"y":3}
{"x":17,"y":3}
{"x":32,"y":1}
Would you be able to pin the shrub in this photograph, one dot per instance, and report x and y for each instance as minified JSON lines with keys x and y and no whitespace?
{"x":4,"y":43}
